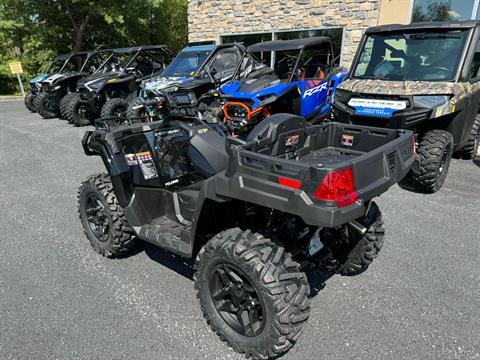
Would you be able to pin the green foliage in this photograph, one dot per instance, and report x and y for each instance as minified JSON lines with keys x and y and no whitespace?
{"x":33,"y":31}
{"x":434,"y":10}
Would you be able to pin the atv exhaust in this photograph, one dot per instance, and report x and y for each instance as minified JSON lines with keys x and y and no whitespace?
{"x":359,"y":228}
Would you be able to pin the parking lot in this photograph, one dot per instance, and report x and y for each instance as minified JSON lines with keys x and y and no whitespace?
{"x":60,"y":300}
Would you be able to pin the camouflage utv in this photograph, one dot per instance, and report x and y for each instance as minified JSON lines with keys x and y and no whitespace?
{"x":424,"y":77}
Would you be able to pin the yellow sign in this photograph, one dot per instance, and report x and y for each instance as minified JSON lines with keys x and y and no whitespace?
{"x":16,"y":67}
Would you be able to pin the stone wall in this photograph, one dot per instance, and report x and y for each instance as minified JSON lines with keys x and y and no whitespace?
{"x":208,"y":19}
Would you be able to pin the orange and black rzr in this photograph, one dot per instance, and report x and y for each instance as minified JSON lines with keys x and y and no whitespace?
{"x":295,"y":83}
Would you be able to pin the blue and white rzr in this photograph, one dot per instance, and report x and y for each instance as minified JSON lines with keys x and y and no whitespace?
{"x":301,"y":81}
{"x":182,"y":69}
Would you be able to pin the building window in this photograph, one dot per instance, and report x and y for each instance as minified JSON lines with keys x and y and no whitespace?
{"x":444,"y":10}
{"x":335,"y":34}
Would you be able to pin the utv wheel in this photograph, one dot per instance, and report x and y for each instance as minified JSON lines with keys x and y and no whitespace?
{"x":136,"y":112}
{"x":352,"y":252}
{"x":103,"y":219}
{"x":46,"y":105}
{"x":29,"y":102}
{"x":251,"y":293}
{"x":469,"y":151}
{"x":77,"y":111}
{"x":116,"y":107}
{"x":433,"y":160}
{"x":64,"y":102}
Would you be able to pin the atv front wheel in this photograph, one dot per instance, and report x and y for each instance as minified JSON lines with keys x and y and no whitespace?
{"x":433,"y":160}
{"x":46,"y":105}
{"x":469,"y":151}
{"x":252,"y":293}
{"x":115,"y":107}
{"x":354,"y":253}
{"x":77,"y":111}
{"x":103,"y":219}
{"x":64,"y":103}
{"x":29,"y":102}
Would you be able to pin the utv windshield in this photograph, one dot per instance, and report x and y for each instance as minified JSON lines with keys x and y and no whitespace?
{"x":426,"y":56}
{"x":186,"y":63}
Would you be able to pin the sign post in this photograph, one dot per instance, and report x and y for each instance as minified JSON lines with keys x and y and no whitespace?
{"x":16,"y":69}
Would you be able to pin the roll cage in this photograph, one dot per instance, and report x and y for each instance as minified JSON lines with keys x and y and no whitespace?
{"x":285,"y":46}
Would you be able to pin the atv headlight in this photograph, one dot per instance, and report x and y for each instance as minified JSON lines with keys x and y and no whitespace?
{"x":341,"y":96}
{"x":430,"y":101}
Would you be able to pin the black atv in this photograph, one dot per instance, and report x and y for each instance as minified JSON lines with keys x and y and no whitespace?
{"x":255,"y":214}
{"x":57,"y":87}
{"x":53,"y":67}
{"x":109,"y":90}
{"x":424,"y":77}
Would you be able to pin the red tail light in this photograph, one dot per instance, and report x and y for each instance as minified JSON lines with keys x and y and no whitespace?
{"x":338,"y":186}
{"x":289,"y":182}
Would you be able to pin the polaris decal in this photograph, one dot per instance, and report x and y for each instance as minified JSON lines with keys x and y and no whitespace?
{"x":347,"y":140}
{"x":315,"y":89}
{"x":377,"y":107}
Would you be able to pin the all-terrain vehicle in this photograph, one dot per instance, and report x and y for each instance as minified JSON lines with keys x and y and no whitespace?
{"x":424,"y":77}
{"x":255,"y":213}
{"x":57,"y":85}
{"x":301,"y":81}
{"x":109,"y":90}
{"x":53,"y":66}
{"x":184,"y":87}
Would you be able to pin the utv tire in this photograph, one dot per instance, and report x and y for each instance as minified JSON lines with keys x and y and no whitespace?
{"x":355,"y":260}
{"x":46,"y":106}
{"x":136,"y":113}
{"x":469,"y":151}
{"x":29,"y":102}
{"x":76,"y":111}
{"x":64,"y":105}
{"x":252,"y":293}
{"x":102,"y":218}
{"x":433,"y":160}
{"x":115,"y":107}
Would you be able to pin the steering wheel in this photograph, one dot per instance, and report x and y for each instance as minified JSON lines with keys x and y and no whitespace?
{"x":434,"y":69}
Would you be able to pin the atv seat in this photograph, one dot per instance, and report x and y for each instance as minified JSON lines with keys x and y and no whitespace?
{"x":207,"y":152}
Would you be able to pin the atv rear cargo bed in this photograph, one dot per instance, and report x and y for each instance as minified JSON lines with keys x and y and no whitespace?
{"x":284,"y":169}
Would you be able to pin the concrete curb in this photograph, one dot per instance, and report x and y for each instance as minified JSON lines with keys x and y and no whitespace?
{"x":11,"y":98}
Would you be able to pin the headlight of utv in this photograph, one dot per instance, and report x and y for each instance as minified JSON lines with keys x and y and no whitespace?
{"x":341,"y":96}
{"x":430,"y":101}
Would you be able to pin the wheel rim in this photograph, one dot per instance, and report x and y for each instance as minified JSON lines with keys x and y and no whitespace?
{"x":236,"y":300}
{"x":97,"y":217}
{"x":83,"y":111}
{"x":119,"y":111}
{"x":443,"y":162}
{"x":50,"y":104}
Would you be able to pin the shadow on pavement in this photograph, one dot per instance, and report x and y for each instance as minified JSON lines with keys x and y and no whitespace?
{"x":316,"y":278}
{"x":476,"y":161}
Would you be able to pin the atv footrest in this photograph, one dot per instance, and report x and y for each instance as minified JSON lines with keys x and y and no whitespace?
{"x":166,"y":233}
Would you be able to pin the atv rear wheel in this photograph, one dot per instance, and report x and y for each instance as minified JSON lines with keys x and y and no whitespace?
{"x":102,"y":218}
{"x":29,"y":102}
{"x":77,"y":111}
{"x":433,"y":160}
{"x":136,"y":110}
{"x":115,"y":107}
{"x":252,"y":293}
{"x":352,"y":252}
{"x":46,"y":105}
{"x":469,"y":151}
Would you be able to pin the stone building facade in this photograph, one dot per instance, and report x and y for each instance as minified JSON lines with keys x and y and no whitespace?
{"x":212,"y":20}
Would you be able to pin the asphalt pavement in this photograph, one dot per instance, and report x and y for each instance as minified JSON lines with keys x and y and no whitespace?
{"x":420,"y":299}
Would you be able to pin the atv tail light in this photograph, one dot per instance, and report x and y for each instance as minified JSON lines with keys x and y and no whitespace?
{"x":295,"y":184}
{"x":338,"y":186}
{"x":414,"y":145}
